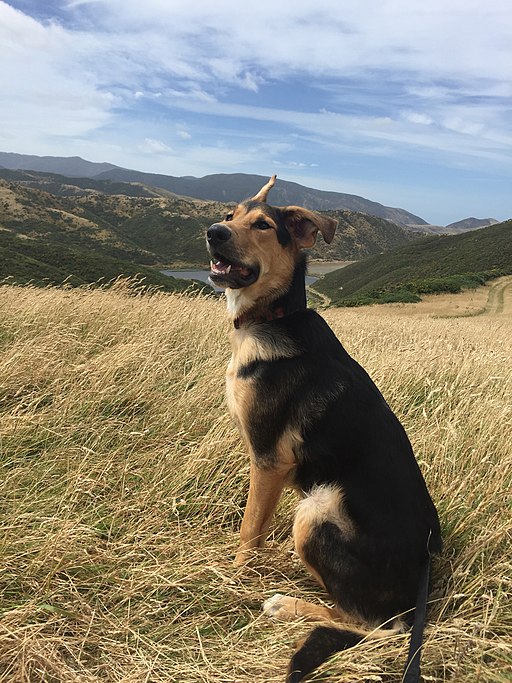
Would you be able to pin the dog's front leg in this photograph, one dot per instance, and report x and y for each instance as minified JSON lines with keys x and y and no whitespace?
{"x":265,"y":488}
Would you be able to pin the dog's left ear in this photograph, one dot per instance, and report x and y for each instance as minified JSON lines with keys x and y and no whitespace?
{"x":303,"y":226}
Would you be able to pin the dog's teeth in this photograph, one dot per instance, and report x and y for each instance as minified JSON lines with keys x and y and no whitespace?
{"x":227,"y":270}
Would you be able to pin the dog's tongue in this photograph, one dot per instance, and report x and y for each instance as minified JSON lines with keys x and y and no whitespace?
{"x":220,"y":267}
{"x":223,"y":268}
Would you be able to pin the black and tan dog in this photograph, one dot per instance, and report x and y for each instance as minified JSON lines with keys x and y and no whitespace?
{"x":312,"y":419}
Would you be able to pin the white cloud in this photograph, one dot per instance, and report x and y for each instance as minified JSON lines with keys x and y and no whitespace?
{"x":183,"y":134}
{"x":150,"y":146}
{"x":416,"y":117}
{"x":395,"y":79}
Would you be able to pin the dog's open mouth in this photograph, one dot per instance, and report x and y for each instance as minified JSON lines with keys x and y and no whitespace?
{"x":232,"y":274}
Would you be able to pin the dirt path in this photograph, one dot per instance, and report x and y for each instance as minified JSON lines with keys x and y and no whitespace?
{"x":500,"y":297}
{"x":493,"y":299}
{"x":324,"y":298}
{"x":499,"y":301}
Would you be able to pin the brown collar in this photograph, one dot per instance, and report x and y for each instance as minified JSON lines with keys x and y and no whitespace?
{"x":265,"y":317}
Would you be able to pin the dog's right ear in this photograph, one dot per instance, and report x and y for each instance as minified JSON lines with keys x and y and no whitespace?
{"x":303,"y":225}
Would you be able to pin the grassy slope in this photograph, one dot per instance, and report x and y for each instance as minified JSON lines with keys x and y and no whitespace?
{"x":123,"y":483}
{"x":425,"y":266}
{"x":24,"y":261}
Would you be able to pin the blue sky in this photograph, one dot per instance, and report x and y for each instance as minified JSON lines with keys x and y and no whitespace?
{"x":405,"y":103}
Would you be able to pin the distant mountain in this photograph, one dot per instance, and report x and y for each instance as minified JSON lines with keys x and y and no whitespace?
{"x":219,"y":187}
{"x":470,"y":224}
{"x":428,"y":265}
{"x":69,"y":166}
{"x":234,"y":187}
{"x":453,"y":228}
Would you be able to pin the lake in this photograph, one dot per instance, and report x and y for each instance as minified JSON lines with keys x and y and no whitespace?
{"x":202,"y":275}
{"x":316,"y":268}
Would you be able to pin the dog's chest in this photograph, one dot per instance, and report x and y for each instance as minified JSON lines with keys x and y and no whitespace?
{"x":249,"y":346}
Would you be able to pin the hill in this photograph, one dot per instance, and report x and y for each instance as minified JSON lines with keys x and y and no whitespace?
{"x":76,"y":239}
{"x":221,"y":187}
{"x":235,"y":187}
{"x":142,"y":225}
{"x":24,"y":261}
{"x":429,"y":265}
{"x":470,"y":224}
{"x":69,"y":166}
{"x":123,"y":482}
{"x":359,"y":235}
{"x":67,"y":186}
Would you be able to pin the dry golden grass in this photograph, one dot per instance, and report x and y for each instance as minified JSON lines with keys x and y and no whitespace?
{"x":494,"y":298}
{"x":123,"y":484}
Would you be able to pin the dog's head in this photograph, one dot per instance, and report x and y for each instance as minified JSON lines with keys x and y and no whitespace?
{"x":256,"y":246}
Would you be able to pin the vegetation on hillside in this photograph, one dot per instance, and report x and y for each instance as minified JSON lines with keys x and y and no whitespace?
{"x":426,"y":266}
{"x":139,"y":227}
{"x":123,"y":483}
{"x":359,"y":235}
{"x":27,"y":261}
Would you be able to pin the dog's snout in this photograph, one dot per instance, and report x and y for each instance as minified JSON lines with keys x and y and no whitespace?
{"x":218,"y":233}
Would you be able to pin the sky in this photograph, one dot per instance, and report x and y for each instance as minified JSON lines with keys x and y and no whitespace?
{"x":404,"y":103}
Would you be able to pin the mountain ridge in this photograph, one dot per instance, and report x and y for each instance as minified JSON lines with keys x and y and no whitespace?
{"x":235,"y":187}
{"x":73,"y":166}
{"x":471,"y":224}
{"x":225,"y":187}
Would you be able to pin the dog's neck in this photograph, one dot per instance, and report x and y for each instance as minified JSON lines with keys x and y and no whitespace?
{"x":294,"y":299}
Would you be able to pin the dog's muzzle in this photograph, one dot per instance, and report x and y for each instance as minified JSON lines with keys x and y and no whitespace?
{"x":226,"y":268}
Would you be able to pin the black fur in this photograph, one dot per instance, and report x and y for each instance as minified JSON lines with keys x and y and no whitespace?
{"x":283,"y":236}
{"x":351,"y":438}
{"x":321,"y":643}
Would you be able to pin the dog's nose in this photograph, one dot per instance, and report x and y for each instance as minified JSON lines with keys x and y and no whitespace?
{"x":218,"y":233}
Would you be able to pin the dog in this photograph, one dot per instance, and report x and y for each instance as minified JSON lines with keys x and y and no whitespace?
{"x":312,"y":419}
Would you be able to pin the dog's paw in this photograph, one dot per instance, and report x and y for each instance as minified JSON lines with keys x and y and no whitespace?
{"x":281,"y":607}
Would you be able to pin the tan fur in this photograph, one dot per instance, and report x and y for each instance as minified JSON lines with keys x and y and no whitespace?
{"x":262,"y":249}
{"x":286,"y":608}
{"x":247,"y":347}
{"x":261,"y":196}
{"x":323,"y":504}
{"x":265,"y":488}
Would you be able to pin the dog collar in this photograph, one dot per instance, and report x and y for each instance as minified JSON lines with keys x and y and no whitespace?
{"x":267,"y":317}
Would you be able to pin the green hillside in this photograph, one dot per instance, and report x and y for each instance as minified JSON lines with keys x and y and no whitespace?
{"x":429,"y":265}
{"x":25,"y":260}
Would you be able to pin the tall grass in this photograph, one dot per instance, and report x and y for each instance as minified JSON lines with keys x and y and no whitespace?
{"x":123,"y":484}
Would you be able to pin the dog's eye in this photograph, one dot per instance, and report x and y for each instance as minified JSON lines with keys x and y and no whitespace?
{"x":229,"y":217}
{"x":261,"y":225}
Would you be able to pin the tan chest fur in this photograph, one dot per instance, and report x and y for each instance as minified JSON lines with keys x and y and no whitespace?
{"x":250,"y":344}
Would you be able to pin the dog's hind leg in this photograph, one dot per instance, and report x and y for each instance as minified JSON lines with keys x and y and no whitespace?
{"x":323,"y":505}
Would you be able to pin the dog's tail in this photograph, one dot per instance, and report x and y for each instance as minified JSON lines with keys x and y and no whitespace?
{"x":324,"y":641}
{"x":412,"y":666}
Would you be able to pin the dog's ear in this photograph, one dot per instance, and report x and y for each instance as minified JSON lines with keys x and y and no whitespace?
{"x":303,"y":225}
{"x":261,"y":196}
